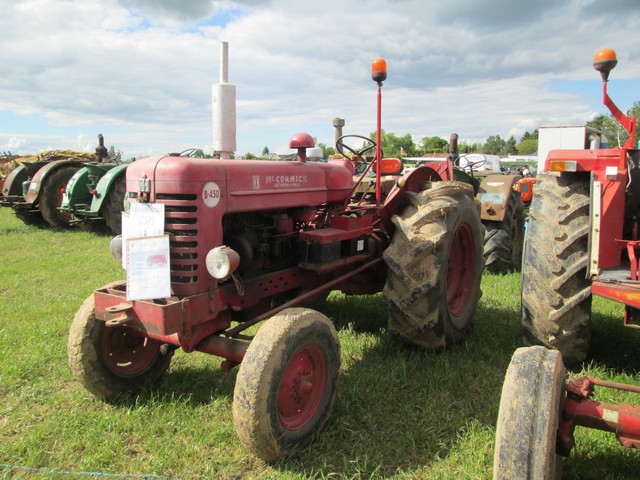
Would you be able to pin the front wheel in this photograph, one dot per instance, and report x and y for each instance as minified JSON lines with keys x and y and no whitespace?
{"x":287,"y":383}
{"x":435,"y":266}
{"x":111,"y":360}
{"x":530,"y":406}
{"x":114,"y":204}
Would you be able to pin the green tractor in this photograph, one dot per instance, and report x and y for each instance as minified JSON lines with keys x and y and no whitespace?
{"x":95,"y":193}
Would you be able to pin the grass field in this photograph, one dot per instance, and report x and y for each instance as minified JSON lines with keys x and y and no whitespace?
{"x":400,"y":413}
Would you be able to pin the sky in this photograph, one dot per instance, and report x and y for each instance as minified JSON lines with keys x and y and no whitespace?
{"x":140,"y":71}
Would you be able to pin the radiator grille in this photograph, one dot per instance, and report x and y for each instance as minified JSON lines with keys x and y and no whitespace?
{"x":180,"y":211}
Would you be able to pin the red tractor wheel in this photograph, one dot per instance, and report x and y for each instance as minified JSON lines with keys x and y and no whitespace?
{"x":287,"y":383}
{"x":532,"y":399}
{"x":435,"y":266}
{"x":111,"y":360}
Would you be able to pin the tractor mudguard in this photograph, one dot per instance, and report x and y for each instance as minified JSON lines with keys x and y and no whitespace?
{"x":104,"y":185}
{"x":13,"y":183}
{"x":493,"y":195}
{"x":77,"y":191}
{"x":78,"y":196}
{"x":462,"y":176}
{"x":36,"y":182}
{"x":412,"y":181}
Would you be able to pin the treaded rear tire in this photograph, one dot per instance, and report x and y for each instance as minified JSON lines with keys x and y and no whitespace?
{"x":433,"y":283}
{"x":556,"y":295}
{"x":530,"y":406}
{"x":503,"y":240}
{"x":50,"y":197}
{"x":114,"y":204}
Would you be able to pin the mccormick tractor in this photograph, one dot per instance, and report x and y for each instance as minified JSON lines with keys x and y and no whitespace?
{"x":582,"y":240}
{"x":252,"y":242}
{"x":95,"y":193}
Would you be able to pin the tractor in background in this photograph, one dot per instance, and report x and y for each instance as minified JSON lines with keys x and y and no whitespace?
{"x":262,"y":242}
{"x":501,"y":207}
{"x":34,"y":189}
{"x":582,"y":240}
{"x":95,"y":193}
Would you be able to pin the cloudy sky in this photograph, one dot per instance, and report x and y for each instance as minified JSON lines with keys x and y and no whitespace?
{"x":140,"y":71}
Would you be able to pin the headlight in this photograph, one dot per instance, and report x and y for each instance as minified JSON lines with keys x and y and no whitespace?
{"x":222,"y":262}
{"x":115,"y":248}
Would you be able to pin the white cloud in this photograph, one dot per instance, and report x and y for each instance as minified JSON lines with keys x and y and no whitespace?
{"x":140,"y":71}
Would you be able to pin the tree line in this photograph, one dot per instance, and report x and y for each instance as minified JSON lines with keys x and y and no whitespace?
{"x":527,"y":144}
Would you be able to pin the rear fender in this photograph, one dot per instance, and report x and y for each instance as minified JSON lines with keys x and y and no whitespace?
{"x":41,"y":175}
{"x":102,"y":189}
{"x":78,"y":191}
{"x":13,"y":183}
{"x":410,"y":182}
{"x":494,"y":194}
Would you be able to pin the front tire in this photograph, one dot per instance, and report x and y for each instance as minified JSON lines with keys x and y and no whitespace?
{"x":287,"y":383}
{"x":530,"y":406}
{"x":556,"y":294}
{"x":111,"y":360}
{"x":435,"y":266}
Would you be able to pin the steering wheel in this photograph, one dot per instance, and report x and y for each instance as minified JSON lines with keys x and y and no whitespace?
{"x":368,"y":145}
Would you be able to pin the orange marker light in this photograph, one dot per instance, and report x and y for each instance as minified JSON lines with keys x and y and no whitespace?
{"x":379,"y":70}
{"x":604,"y":61}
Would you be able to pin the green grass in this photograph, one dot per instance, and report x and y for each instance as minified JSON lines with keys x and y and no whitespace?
{"x":400,"y":413}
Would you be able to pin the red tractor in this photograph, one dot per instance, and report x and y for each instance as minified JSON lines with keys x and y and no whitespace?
{"x":582,"y":240}
{"x":262,"y":241}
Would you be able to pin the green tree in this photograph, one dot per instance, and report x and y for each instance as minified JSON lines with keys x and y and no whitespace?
{"x":528,"y":146}
{"x":326,"y":151}
{"x":615,"y":133}
{"x":265,"y":151}
{"x":510,"y":147}
{"x":391,"y":144}
{"x":434,"y":145}
{"x":494,"y":145}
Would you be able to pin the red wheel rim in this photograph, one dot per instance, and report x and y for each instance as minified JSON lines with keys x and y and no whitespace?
{"x":460,"y":270}
{"x":302,"y":387}
{"x":128,"y":354}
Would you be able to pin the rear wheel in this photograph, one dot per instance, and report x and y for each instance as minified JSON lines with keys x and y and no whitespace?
{"x":50,"y":197}
{"x":503,"y":240}
{"x":114,"y":204}
{"x":287,"y":383}
{"x":532,"y":400}
{"x":435,"y":266}
{"x":556,"y":294}
{"x":111,"y":360}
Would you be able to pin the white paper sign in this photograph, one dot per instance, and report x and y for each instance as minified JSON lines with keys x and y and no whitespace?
{"x":148,"y":268}
{"x":142,"y":220}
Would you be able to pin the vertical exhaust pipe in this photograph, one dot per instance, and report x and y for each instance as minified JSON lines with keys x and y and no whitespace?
{"x":223,"y":103}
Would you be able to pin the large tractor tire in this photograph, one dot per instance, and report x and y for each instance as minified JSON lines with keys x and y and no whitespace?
{"x":435,"y":266}
{"x":114,"y":204}
{"x":50,"y":197}
{"x":556,"y":295}
{"x":503,"y":240}
{"x":287,"y":383}
{"x":112,"y":360}
{"x":530,"y":407}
